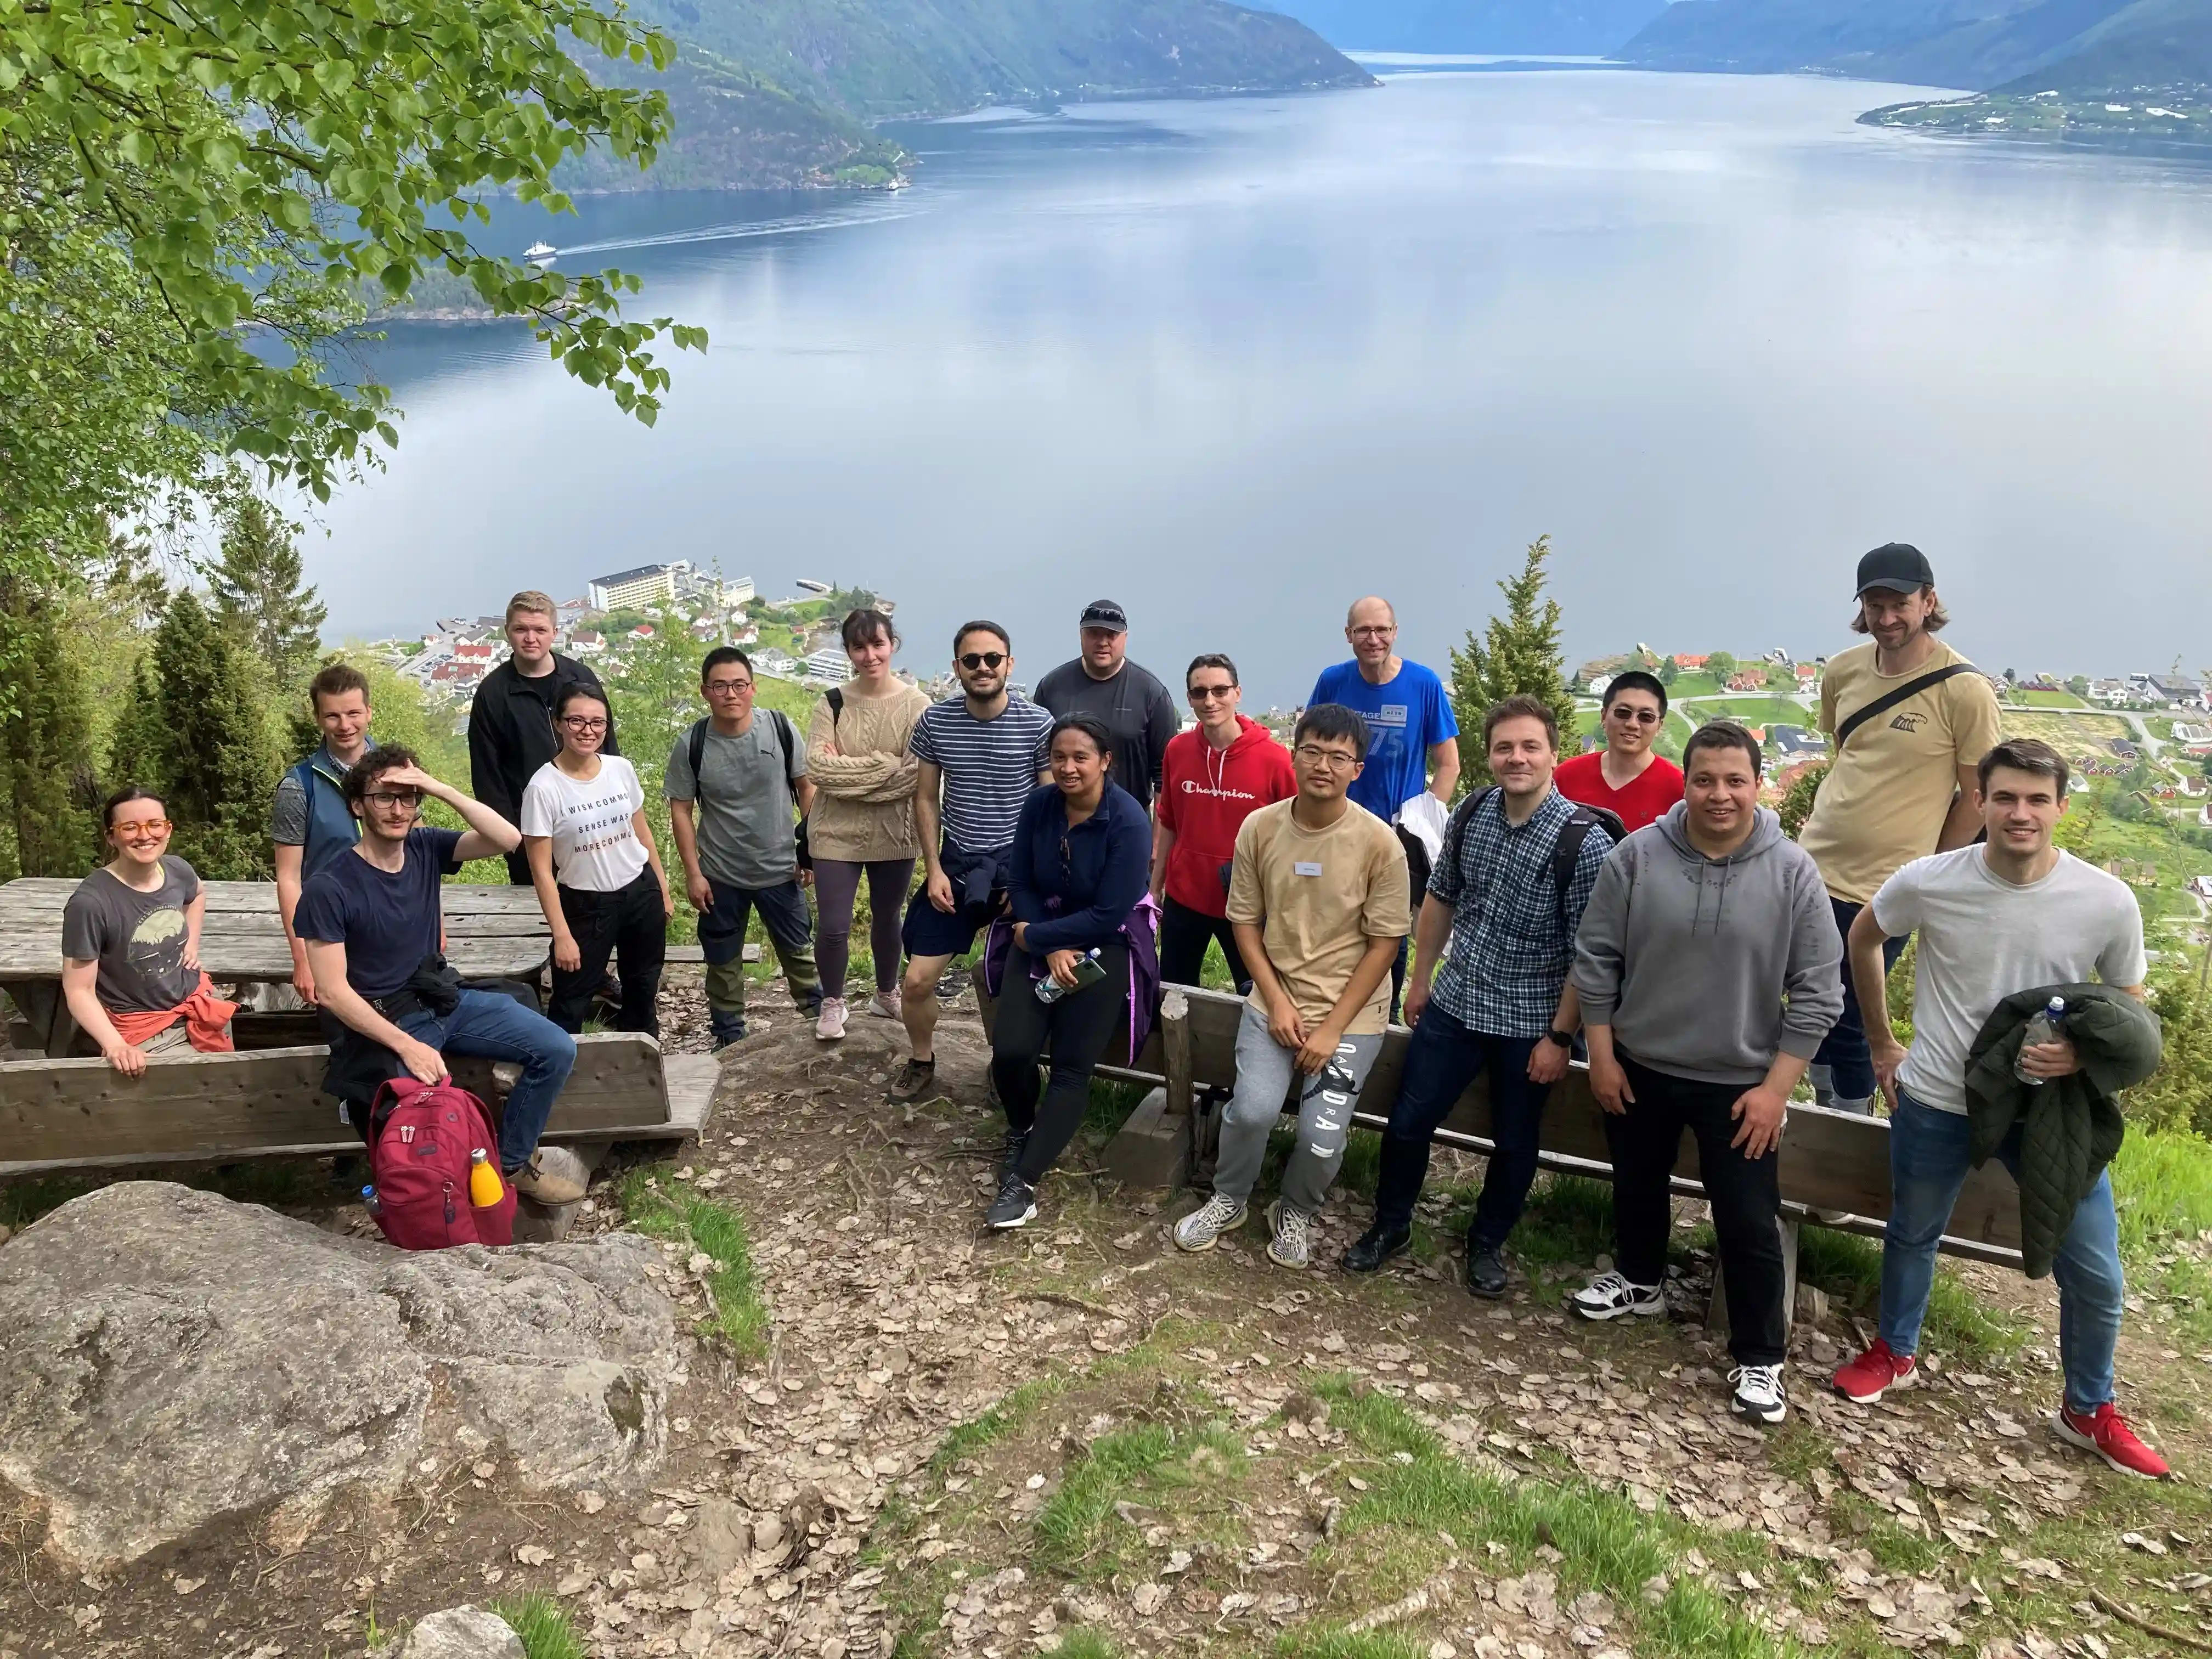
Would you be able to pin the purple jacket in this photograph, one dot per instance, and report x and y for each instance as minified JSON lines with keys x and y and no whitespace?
{"x":1137,"y":931}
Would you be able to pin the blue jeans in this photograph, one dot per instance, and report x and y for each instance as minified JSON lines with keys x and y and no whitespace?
{"x":500,"y":1028}
{"x":1441,"y":1060}
{"x":1927,"y":1167}
{"x":1844,"y":1051}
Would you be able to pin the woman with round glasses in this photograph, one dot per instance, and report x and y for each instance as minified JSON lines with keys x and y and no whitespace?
{"x":596,"y":871}
{"x":130,"y":946}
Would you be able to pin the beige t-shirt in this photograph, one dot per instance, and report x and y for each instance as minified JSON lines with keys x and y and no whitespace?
{"x":1884,"y":800}
{"x":1317,"y":898}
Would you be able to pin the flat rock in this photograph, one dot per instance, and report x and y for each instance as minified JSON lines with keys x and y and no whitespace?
{"x":175,"y":1359}
{"x":462,"y":1633}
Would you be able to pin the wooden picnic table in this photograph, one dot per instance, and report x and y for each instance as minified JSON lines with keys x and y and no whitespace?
{"x":491,"y":932}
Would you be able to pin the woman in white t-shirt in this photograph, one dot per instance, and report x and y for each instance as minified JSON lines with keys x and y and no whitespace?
{"x":596,"y":871}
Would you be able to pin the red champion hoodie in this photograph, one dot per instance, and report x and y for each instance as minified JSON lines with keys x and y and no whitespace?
{"x":1205,"y":795}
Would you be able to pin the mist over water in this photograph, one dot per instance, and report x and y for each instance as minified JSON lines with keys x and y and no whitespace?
{"x":1234,"y":363}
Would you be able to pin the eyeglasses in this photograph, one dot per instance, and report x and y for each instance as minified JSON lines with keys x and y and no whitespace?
{"x":1207,"y":693}
{"x":1374,"y":633}
{"x":410,"y":799}
{"x":1634,"y":716}
{"x":975,"y":659}
{"x":1334,"y":760}
{"x":142,"y":827}
{"x":727,"y":688}
{"x":581,"y":723}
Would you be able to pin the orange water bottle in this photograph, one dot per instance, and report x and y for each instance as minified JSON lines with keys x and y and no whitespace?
{"x":484,"y":1189}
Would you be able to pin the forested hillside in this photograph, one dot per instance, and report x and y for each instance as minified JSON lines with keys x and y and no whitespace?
{"x":1580,"y":27}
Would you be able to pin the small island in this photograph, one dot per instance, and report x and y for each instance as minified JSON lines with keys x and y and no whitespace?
{"x":2163,"y":120}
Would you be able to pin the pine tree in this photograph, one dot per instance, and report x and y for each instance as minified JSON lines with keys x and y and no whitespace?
{"x":258,"y":592}
{"x":1518,"y":654}
{"x":213,"y":761}
{"x":138,"y":748}
{"x":46,"y":747}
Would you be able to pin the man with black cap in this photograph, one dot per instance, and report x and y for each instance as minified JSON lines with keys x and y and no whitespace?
{"x":1909,"y":719}
{"x":1103,"y":684}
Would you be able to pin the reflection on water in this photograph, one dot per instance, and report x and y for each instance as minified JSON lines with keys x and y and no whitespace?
{"x":1235,"y":362}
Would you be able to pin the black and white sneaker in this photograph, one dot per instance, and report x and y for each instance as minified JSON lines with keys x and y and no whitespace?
{"x":1015,"y":1206}
{"x":1611,"y":1296}
{"x":1758,"y":1393}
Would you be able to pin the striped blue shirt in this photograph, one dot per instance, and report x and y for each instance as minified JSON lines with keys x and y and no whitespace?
{"x":990,"y":767}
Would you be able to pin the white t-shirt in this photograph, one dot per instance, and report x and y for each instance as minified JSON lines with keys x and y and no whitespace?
{"x":594,"y":848}
{"x":1983,"y":940}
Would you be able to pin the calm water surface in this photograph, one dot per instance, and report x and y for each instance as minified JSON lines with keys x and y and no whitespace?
{"x":1234,"y":363}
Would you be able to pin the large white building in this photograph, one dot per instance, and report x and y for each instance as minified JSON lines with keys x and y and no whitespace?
{"x":831,"y":664}
{"x":655,"y":584}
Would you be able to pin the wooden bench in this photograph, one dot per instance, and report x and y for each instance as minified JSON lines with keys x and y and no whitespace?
{"x":199,"y":1109}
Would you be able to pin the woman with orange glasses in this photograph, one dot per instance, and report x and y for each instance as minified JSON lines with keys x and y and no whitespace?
{"x":130,"y":946}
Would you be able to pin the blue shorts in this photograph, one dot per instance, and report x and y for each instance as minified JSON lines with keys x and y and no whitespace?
{"x":979,"y":886}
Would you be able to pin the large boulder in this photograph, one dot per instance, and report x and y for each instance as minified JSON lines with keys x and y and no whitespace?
{"x":173,"y":1359}
{"x":462,"y":1634}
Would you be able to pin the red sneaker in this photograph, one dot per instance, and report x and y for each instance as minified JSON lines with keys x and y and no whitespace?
{"x":1875,"y":1372}
{"x":2106,"y":1432}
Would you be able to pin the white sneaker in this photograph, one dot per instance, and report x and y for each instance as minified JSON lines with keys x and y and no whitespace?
{"x":1291,"y":1243}
{"x":1758,"y":1393}
{"x":1610,"y":1295}
{"x":885,"y":1004}
{"x":830,"y":1024}
{"x":1202,"y":1228}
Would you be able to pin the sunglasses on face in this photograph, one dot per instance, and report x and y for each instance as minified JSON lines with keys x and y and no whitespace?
{"x":1207,"y":693}
{"x":975,"y":659}
{"x":1636,"y":716}
{"x":142,"y":827}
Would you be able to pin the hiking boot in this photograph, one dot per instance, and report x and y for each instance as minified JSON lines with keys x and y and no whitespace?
{"x":1486,"y":1272}
{"x":727,"y":1027}
{"x":915,"y":1078}
{"x":1757,"y":1393}
{"x":885,"y":1004}
{"x":553,"y":1175}
{"x":830,"y":1025}
{"x":1012,"y":1156}
{"x":953,"y":982}
{"x":1375,"y":1247}
{"x":2104,"y":1432}
{"x":1015,"y":1206}
{"x":1291,"y":1242}
{"x":1202,"y":1228}
{"x":1613,"y":1296}
{"x":1875,"y":1373}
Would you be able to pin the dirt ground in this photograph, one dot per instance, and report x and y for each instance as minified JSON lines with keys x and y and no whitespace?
{"x":1075,"y":1438}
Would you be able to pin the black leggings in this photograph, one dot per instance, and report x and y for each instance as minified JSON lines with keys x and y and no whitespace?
{"x":1080,"y":1028}
{"x":1183,"y":935}
{"x":836,"y":885}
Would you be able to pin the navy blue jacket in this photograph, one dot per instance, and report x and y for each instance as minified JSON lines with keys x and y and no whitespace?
{"x":1075,"y":902}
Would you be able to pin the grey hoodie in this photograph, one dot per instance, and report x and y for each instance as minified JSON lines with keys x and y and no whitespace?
{"x":1689,"y":958}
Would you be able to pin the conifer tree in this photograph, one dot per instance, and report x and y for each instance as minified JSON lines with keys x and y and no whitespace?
{"x":137,"y":749}
{"x":45,"y":747}
{"x":214,"y":764}
{"x":1519,"y":654}
{"x":258,"y":592}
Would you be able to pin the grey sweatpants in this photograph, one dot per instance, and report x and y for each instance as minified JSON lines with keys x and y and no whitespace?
{"x":1264,"y":1071}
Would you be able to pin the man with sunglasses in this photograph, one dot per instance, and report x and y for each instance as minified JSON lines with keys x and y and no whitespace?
{"x":981,"y":753}
{"x":1125,"y":698}
{"x":1627,"y":777}
{"x":1213,"y":778}
{"x":390,"y":1005}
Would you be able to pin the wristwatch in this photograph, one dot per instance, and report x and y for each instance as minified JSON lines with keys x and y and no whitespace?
{"x":1564,"y":1039}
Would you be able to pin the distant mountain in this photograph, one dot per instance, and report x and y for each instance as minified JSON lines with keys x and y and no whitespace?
{"x":1574,"y":27}
{"x":2059,"y":44}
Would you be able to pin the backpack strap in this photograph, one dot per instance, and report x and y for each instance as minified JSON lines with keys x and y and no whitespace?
{"x":835,"y":697}
{"x":1889,"y":700}
{"x":1567,"y":851}
{"x":787,"y":745}
{"x":697,"y":748}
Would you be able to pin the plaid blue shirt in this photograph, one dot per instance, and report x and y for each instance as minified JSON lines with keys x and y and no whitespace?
{"x":1508,"y":959}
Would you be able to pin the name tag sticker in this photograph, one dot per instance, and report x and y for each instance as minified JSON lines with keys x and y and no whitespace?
{"x":1305,"y":868}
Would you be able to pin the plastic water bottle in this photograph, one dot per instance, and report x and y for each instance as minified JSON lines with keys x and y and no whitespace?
{"x":2048,"y":1026}
{"x":1088,"y":971}
{"x":370,"y":1201}
{"x":484,"y":1189}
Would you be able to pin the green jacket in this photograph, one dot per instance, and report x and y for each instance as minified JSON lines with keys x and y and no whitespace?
{"x":2070,"y":1128}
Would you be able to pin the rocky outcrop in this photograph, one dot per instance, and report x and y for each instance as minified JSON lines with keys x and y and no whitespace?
{"x":175,"y":1359}
{"x":462,"y":1633}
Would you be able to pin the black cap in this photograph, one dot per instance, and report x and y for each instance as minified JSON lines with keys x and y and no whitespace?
{"x":1104,"y":613}
{"x":1899,"y":567}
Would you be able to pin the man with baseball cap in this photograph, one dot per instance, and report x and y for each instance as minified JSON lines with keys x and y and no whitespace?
{"x":1105,"y":684}
{"x":1909,"y":720}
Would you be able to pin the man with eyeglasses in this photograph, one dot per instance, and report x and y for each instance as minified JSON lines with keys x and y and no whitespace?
{"x":1413,"y":735}
{"x":980,"y":754}
{"x":1627,"y":777}
{"x":1213,"y":778}
{"x":1126,"y":699}
{"x":1317,"y":897}
{"x":390,"y":1005}
{"x":511,"y":717}
{"x":735,"y":783}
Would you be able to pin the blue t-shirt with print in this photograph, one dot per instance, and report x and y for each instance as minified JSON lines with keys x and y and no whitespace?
{"x":1404,"y":717}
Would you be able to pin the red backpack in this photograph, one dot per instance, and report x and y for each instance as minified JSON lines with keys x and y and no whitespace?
{"x":420,"y":1136}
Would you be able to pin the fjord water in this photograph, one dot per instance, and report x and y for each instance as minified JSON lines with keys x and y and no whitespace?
{"x":1235,"y":362}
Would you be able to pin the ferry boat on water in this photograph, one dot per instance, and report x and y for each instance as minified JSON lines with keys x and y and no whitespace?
{"x":540,"y":253}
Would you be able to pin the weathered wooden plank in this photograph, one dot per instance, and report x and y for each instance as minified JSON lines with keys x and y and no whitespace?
{"x":458,"y":896}
{"x":267,"y":957}
{"x":83,"y":1112}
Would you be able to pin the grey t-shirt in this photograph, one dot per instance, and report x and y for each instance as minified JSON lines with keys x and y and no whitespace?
{"x":137,"y":938}
{"x":747,"y":810}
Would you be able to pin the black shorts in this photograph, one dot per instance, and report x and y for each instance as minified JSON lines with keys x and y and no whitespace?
{"x":979,"y":886}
